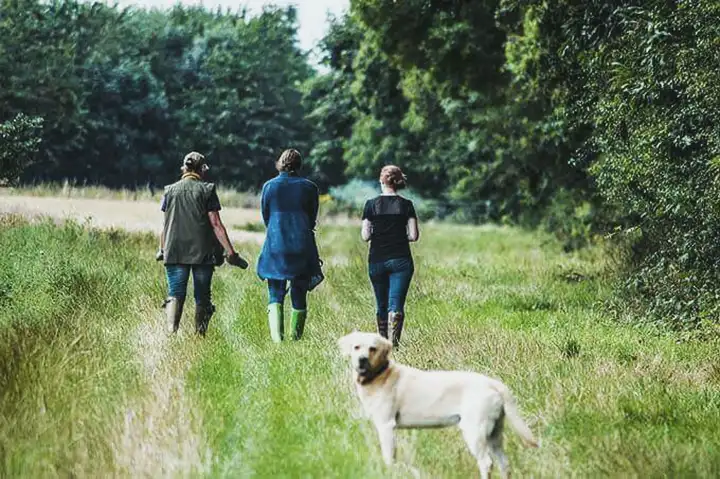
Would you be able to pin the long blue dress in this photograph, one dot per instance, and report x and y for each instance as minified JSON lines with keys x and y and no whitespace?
{"x":289,"y":210}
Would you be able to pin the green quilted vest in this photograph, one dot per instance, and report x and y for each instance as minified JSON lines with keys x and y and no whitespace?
{"x":189,"y":237}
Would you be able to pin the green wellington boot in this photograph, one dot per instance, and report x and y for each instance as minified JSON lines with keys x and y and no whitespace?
{"x":276,"y":321}
{"x":298,"y":323}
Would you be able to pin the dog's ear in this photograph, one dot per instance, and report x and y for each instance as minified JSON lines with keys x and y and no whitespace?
{"x":384,"y":345}
{"x":345,"y":344}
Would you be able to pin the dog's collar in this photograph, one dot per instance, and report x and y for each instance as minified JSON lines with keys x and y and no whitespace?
{"x":371,"y":375}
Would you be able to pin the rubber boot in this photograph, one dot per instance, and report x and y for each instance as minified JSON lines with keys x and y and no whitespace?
{"x":276,"y":322}
{"x":298,"y":323}
{"x":396,"y":320}
{"x":382,"y":325}
{"x":173,"y":312}
{"x":203,"y":313}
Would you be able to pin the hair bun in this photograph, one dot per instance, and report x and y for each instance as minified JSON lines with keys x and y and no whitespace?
{"x":392,"y":175}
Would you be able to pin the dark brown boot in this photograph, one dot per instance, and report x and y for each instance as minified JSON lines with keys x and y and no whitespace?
{"x":396,"y":320}
{"x":382,"y":325}
{"x":203,"y":313}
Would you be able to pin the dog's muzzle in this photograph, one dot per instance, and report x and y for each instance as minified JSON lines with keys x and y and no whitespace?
{"x":363,"y":365}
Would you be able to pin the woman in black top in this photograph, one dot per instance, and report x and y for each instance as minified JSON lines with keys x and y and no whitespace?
{"x":390,"y":224}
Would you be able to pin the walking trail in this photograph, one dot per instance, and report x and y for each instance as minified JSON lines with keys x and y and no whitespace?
{"x":162,"y":432}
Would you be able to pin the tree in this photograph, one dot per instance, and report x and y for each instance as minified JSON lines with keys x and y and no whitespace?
{"x":19,"y":142}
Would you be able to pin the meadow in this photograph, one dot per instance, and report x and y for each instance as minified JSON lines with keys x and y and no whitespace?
{"x":93,"y":387}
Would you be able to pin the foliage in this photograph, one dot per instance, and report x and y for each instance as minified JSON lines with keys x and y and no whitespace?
{"x":19,"y":142}
{"x":640,"y":79}
{"x":125,"y":93}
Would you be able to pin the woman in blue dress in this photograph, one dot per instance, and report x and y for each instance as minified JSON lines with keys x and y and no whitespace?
{"x":289,"y":253}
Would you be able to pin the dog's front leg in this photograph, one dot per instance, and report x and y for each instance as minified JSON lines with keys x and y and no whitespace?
{"x":386,"y":432}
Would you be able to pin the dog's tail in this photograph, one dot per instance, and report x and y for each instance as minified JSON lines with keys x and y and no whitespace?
{"x":513,"y":415}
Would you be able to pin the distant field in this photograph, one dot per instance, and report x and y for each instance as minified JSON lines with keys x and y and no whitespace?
{"x":92,"y":386}
{"x":228,"y":197}
{"x":139,"y":215}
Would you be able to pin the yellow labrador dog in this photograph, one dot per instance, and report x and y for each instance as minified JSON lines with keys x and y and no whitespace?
{"x":398,"y":396}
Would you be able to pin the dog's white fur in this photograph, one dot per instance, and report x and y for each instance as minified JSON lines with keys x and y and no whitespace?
{"x":404,"y":397}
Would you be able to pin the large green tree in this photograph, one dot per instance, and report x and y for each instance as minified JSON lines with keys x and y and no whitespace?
{"x":125,"y":93}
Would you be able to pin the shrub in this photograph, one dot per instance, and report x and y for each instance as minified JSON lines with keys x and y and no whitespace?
{"x":19,"y":142}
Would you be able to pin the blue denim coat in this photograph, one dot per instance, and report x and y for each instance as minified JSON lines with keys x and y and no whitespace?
{"x":289,"y":210}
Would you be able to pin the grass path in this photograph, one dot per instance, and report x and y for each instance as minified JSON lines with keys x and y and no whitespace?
{"x":162,"y":433}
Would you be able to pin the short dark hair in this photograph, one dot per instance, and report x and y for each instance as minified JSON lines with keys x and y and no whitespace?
{"x":290,"y":161}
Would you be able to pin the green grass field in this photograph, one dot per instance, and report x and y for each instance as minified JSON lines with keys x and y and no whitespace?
{"x":90,"y":386}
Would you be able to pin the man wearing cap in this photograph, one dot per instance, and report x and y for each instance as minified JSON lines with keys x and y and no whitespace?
{"x":195,"y":240}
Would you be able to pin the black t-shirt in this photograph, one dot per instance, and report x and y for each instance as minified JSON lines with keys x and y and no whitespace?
{"x":389,"y":216}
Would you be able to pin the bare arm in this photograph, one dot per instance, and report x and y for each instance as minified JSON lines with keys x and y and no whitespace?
{"x":413,"y":230}
{"x":162,"y":235}
{"x":366,"y":231}
{"x":220,"y":232}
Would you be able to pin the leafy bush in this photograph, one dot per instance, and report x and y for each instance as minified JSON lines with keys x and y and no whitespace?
{"x":19,"y":142}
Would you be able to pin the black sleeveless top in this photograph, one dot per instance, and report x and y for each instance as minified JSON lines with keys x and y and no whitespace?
{"x":389,"y":216}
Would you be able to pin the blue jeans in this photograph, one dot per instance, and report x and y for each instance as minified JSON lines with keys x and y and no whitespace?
{"x":178,"y":275}
{"x":391,"y":281}
{"x":277,"y":289}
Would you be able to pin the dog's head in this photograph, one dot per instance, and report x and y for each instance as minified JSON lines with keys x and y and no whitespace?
{"x":368,"y":351}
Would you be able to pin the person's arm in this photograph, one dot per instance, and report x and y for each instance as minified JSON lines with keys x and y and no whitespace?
{"x":412,"y":229}
{"x":314,"y":207}
{"x":366,"y":231}
{"x":264,"y":205}
{"x":213,"y":208}
{"x":220,"y":232}
{"x":161,"y":251}
{"x":413,"y":232}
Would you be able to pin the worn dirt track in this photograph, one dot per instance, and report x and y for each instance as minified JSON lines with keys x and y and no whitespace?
{"x":128,"y":215}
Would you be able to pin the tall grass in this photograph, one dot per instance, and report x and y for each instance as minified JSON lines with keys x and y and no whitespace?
{"x":68,"y":300}
{"x":605,"y":399}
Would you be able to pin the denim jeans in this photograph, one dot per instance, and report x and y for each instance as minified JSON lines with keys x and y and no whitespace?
{"x":178,"y":275}
{"x":277,"y":289}
{"x":391,"y":281}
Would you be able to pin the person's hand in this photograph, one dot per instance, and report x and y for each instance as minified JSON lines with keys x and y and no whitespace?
{"x":234,"y":259}
{"x":160,"y":255}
